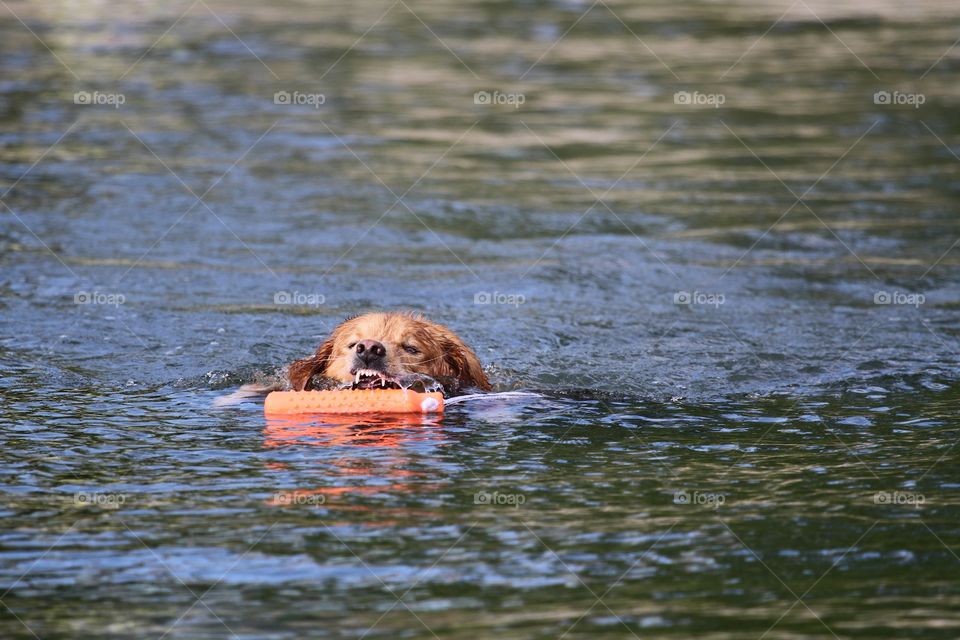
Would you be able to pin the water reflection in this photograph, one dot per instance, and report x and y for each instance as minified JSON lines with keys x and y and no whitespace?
{"x":355,"y":455}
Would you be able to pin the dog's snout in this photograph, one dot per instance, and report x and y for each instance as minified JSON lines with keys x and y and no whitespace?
{"x":370,"y":350}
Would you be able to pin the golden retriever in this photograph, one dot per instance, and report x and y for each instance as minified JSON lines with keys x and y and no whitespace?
{"x":391,"y":350}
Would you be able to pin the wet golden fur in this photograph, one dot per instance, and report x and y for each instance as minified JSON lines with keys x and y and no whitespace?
{"x":414,"y":345}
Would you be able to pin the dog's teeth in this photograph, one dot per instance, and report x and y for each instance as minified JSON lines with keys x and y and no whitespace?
{"x":356,"y":379}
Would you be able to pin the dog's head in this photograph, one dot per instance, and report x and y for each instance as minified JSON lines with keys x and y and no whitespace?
{"x":377,"y":350}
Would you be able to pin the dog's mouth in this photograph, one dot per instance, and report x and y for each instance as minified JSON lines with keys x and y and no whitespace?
{"x":373,"y":379}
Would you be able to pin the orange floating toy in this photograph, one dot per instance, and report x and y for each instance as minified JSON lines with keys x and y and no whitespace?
{"x":352,"y":401}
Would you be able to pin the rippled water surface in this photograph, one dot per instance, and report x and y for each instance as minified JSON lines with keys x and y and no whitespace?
{"x":717,"y":238}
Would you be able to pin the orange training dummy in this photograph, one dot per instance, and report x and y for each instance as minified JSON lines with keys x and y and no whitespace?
{"x":352,"y":401}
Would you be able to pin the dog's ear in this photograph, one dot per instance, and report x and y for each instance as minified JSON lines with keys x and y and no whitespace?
{"x":466,"y":366}
{"x":301,"y":371}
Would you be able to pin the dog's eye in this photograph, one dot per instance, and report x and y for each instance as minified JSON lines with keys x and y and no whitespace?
{"x":351,"y":345}
{"x":412,"y":350}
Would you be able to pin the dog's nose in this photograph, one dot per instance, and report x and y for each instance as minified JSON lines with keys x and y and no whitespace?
{"x":370,"y":351}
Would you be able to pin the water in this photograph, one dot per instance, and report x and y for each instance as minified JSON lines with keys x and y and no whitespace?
{"x":775,"y":460}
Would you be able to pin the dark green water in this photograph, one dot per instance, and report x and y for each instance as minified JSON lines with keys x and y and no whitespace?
{"x":718,"y":238}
